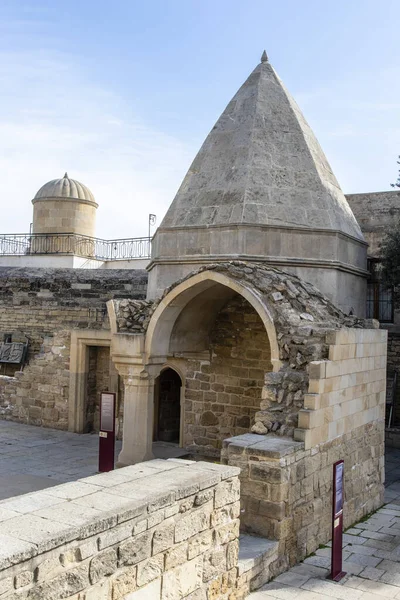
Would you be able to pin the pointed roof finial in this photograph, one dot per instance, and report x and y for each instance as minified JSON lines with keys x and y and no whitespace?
{"x":264,"y":57}
{"x":66,"y":175}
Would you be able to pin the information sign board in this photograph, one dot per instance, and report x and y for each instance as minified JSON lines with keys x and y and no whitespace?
{"x":337,"y":521}
{"x":107,"y":432}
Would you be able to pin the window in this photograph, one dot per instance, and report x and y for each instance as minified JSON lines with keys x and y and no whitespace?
{"x":379,"y":295}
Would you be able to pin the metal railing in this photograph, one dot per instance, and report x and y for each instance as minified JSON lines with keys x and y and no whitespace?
{"x":22,"y":244}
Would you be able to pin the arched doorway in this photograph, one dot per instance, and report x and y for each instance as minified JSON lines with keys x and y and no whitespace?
{"x":167,"y":407}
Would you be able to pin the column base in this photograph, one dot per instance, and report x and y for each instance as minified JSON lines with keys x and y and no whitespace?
{"x":125,"y":461}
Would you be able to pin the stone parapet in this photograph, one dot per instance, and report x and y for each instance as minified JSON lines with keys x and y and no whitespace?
{"x":161,"y":530}
{"x":286,"y":490}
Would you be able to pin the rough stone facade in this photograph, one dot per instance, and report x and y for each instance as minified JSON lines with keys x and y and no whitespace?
{"x":165,"y":530}
{"x":46,"y":305}
{"x":223,"y":395}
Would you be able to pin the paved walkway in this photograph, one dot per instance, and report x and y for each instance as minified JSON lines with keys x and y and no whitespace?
{"x":371,"y":558}
{"x":34,"y":458}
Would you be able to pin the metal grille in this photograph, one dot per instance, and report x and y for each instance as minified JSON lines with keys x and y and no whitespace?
{"x":380,"y":302}
{"x":14,"y":244}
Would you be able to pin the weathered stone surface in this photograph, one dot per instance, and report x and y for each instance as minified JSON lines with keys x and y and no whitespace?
{"x":149,"y":570}
{"x":259,"y":428}
{"x":124,"y":583}
{"x":164,"y":537}
{"x":102,"y":565}
{"x":149,"y":592}
{"x":133,"y":551}
{"x":63,"y":586}
{"x":227,"y":492}
{"x":181,"y":581}
{"x":133,"y":316}
{"x":23,"y":579}
{"x":192,"y":524}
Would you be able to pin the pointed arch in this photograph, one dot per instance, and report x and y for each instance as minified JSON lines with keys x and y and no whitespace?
{"x":195,"y":301}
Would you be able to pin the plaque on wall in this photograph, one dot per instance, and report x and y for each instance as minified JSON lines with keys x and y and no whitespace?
{"x":13,"y":352}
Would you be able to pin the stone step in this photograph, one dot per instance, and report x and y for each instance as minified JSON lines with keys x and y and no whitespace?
{"x":256,"y":555}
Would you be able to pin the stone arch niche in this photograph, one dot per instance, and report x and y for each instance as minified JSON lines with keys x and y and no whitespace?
{"x":217,"y":329}
{"x":195,"y":325}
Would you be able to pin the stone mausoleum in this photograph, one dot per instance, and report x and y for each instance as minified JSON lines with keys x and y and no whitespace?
{"x":249,"y":337}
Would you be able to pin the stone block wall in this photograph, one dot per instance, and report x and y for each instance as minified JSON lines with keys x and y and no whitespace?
{"x":346,"y":391}
{"x":287,"y":484}
{"x":286,"y":491}
{"x":165,"y":530}
{"x":223,"y":395}
{"x":45,"y":305}
{"x":375,"y":213}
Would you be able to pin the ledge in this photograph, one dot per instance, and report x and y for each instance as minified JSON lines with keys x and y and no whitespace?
{"x":269,"y":445}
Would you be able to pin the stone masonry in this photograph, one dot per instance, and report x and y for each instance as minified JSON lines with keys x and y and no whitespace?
{"x":231,"y":385}
{"x":222,"y":396}
{"x":46,"y":305}
{"x":287,"y":485}
{"x":165,"y":530}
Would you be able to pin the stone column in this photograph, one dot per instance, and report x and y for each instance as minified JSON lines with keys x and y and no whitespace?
{"x":137,"y":437}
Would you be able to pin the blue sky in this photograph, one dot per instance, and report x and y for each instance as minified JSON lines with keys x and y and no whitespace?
{"x":122,"y":94}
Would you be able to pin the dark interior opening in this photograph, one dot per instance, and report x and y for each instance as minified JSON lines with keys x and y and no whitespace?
{"x":167,"y":409}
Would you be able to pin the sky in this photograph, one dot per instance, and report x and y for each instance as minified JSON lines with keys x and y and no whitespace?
{"x":122,"y":94}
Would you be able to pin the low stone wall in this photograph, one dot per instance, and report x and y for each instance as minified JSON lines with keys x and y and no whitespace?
{"x":286,"y":491}
{"x":160,"y":530}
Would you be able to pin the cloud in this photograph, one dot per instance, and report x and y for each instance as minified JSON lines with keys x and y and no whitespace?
{"x":53,"y":119}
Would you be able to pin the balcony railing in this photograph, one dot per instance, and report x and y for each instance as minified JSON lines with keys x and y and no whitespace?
{"x":23,"y":244}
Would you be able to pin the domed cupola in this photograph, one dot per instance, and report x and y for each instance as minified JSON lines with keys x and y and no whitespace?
{"x":64,"y":206}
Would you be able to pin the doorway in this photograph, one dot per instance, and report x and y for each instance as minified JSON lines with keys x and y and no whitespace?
{"x":167,"y":407}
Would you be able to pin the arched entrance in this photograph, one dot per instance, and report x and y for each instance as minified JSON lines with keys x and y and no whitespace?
{"x":167,"y":407}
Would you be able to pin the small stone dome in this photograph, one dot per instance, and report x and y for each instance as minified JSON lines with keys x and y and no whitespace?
{"x":65,"y":188}
{"x":64,"y":206}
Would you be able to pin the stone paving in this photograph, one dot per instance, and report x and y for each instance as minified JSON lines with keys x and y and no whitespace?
{"x":34,"y":458}
{"x":371,"y":557}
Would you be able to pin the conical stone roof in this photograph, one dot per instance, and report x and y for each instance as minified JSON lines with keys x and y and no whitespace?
{"x":261,"y":164}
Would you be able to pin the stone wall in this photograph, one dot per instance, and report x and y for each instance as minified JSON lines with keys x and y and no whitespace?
{"x":222,"y":396}
{"x":346,"y":391}
{"x":286,"y":491}
{"x":375,"y":212}
{"x":165,"y":530}
{"x":287,"y":484}
{"x":45,"y":305}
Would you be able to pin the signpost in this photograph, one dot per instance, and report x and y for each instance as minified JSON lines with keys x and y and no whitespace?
{"x":107,"y":432}
{"x":337,"y":521}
